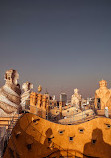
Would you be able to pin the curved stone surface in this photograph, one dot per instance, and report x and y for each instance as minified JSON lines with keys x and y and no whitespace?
{"x":40,"y":138}
{"x":10,"y":94}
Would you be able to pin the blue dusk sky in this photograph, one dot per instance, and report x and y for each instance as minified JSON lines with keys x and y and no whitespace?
{"x":60,"y":44}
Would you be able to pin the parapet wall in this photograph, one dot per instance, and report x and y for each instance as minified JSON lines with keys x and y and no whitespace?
{"x":36,"y":137}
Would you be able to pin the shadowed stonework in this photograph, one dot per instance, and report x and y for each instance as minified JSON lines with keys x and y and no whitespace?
{"x":97,"y":147}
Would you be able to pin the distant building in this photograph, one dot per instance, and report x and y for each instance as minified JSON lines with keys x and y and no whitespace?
{"x":84,"y":102}
{"x":47,"y":94}
{"x":90,"y":101}
{"x":53,"y":97}
{"x":52,"y":100}
{"x":63,"y":98}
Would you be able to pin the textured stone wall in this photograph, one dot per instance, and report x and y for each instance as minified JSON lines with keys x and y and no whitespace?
{"x":10,"y":95}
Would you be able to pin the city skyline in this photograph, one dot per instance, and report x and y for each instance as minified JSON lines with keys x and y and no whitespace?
{"x":60,"y":45}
